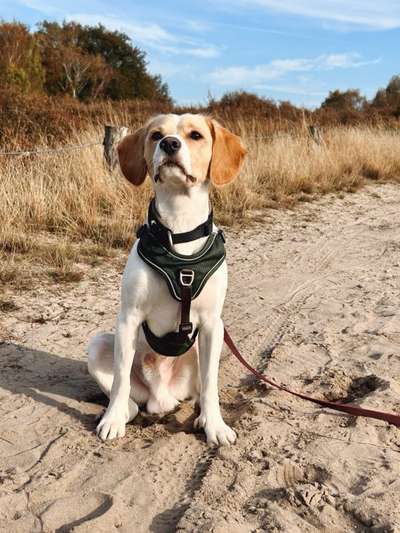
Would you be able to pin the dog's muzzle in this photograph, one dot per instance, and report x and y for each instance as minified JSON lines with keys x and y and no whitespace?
{"x":172,"y":163}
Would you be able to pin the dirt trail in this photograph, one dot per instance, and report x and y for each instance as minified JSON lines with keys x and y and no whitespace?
{"x":314,"y":302}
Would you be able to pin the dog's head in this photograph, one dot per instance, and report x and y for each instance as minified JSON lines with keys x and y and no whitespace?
{"x":181,"y":151}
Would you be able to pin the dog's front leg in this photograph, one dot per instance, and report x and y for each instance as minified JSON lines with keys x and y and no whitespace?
{"x":211,"y":337}
{"x":121,"y":408}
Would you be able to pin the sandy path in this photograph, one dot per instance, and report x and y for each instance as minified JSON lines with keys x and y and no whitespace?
{"x":314,"y":301}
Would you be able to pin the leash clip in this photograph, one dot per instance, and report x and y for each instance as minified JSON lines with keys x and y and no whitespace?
{"x":186,"y":277}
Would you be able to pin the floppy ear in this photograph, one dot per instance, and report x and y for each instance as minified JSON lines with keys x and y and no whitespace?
{"x":227,"y":154}
{"x":131,"y":157}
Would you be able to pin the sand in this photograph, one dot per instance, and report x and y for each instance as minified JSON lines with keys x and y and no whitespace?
{"x":313,"y":302}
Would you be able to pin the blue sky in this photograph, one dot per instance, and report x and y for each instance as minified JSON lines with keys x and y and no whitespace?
{"x":293,"y":50}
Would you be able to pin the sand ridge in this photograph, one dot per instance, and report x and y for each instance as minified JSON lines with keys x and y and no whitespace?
{"x":313,"y":301}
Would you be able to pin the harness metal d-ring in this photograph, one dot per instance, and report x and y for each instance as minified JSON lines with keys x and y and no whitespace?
{"x":186,"y":277}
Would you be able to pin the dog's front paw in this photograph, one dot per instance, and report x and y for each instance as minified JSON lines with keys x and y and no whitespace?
{"x":113,"y":423}
{"x":217,"y":432}
{"x":111,"y":426}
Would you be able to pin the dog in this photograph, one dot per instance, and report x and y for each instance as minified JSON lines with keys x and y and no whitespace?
{"x":182,"y":154}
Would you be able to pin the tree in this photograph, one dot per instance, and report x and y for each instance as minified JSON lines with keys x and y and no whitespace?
{"x":69,"y":69}
{"x":350,"y":100}
{"x":247,"y":103}
{"x":390,"y":96}
{"x":91,"y":61}
{"x":82,"y":71}
{"x":380,"y":99}
{"x":20,"y":64}
{"x":131,"y":78}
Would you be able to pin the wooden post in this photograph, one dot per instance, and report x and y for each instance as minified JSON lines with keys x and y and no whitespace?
{"x":112,"y":136}
{"x":315,"y":134}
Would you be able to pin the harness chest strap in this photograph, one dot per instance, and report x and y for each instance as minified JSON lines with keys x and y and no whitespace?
{"x":185,"y":275}
{"x":174,"y":343}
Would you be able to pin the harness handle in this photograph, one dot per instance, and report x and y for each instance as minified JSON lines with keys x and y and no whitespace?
{"x":186,"y":278}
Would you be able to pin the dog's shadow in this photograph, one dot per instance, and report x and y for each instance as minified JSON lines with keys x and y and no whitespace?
{"x":53,"y":380}
{"x":49,"y":379}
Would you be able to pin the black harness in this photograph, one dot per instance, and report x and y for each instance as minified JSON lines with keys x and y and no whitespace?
{"x":185,"y":275}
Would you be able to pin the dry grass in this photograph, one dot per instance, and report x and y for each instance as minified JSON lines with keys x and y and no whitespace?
{"x":291,"y":167}
{"x":62,"y":211}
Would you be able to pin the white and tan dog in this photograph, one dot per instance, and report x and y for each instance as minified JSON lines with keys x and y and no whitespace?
{"x":182,"y":154}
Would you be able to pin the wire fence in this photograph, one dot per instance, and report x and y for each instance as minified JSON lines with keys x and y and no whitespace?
{"x":112,"y":136}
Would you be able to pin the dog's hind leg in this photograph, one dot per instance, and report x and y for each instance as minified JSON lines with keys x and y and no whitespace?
{"x":100,"y":366}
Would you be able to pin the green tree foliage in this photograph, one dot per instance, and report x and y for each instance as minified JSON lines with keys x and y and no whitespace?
{"x":20,"y":64}
{"x":85,"y":62}
{"x":130,"y":79}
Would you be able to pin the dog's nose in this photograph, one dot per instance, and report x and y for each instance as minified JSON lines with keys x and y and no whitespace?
{"x":170,"y":145}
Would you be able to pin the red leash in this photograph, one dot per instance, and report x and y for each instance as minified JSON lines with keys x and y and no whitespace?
{"x":354,"y":410}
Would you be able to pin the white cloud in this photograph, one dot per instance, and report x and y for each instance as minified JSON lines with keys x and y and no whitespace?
{"x":278,"y":68}
{"x":150,"y":35}
{"x":289,"y":89}
{"x":368,"y":14}
{"x":183,"y":49}
{"x":351,"y":60}
{"x":40,"y":5}
{"x":197,"y":25}
{"x":165,"y":68}
{"x":205,"y":51}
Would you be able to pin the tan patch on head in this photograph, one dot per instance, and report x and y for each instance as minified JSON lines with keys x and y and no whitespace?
{"x":227,"y":156}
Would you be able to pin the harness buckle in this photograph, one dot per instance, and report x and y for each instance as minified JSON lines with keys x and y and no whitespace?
{"x":186,"y":328}
{"x":186,"y":277}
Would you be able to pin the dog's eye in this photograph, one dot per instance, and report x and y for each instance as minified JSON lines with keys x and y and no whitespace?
{"x":195,"y":135}
{"x":156,"y":136}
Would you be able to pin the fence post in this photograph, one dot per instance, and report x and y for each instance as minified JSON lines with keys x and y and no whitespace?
{"x":112,"y":136}
{"x":315,"y":134}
